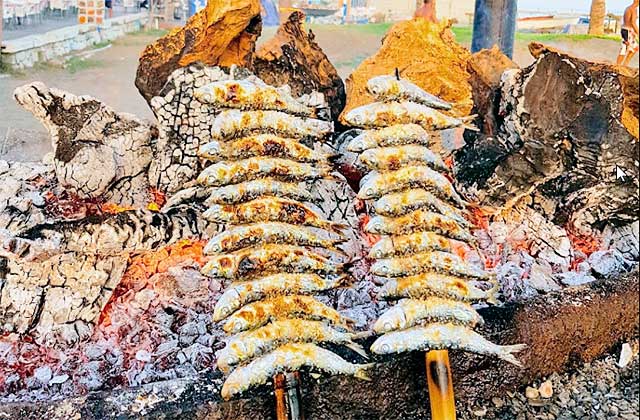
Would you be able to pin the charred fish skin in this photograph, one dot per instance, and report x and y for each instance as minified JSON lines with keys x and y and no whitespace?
{"x":419,"y":221}
{"x":269,"y":259}
{"x":271,"y":209}
{"x":245,"y":236}
{"x":441,"y":337}
{"x":404,"y":202}
{"x":261,"y":145}
{"x":396,"y":157}
{"x":397,"y":135}
{"x":438,"y":261}
{"x":435,"y":284}
{"x":251,"y":344}
{"x":246,"y":191}
{"x":234,"y":123}
{"x":226,"y":173}
{"x":257,"y":314}
{"x":394,"y":246}
{"x":240,"y":294}
{"x":410,"y":312}
{"x":377,"y":184}
{"x":249,"y":95}
{"x":390,"y":88}
{"x":384,"y":114}
{"x":289,"y":358}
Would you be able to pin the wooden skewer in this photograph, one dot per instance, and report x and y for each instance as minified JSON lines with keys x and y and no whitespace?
{"x":442,"y":400}
{"x":288,"y":397}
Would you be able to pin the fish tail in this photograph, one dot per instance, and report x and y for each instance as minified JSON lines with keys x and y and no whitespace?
{"x":361,"y":372}
{"x":506,"y":353}
{"x":363,"y":335}
{"x":471,"y":127}
{"x":358,"y":349}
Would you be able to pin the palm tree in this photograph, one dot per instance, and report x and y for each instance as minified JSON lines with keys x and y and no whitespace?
{"x":597,"y":15}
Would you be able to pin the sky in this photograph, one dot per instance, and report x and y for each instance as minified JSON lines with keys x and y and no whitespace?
{"x":613,"y":6}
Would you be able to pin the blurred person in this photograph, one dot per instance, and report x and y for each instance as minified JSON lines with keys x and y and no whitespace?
{"x":109,"y":5}
{"x":629,"y":34}
{"x":427,"y":11}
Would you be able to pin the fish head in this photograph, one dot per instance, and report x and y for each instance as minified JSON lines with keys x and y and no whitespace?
{"x":215,"y":213}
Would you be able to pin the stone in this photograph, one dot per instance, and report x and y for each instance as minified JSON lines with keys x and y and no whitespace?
{"x":437,"y":63}
{"x":573,"y":278}
{"x":607,"y":263}
{"x":626,"y":356}
{"x":293,"y":57}
{"x":546,"y":389}
{"x":531,"y":393}
{"x":43,"y":374}
{"x":223,"y":33}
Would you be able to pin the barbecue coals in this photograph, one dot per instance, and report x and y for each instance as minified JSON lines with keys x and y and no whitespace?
{"x":278,"y":249}
{"x":422,"y":222}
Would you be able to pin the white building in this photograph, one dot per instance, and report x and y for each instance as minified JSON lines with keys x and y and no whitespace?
{"x":461,"y":10}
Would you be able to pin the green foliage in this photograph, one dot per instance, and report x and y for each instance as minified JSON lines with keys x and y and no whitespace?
{"x":76,"y":64}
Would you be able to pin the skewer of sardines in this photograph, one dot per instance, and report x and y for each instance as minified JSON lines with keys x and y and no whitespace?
{"x":421,"y":220}
{"x":277,"y":250}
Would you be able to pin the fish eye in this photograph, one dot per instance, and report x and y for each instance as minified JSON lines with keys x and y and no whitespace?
{"x":385,"y":348}
{"x":388,"y":326}
{"x":369,"y":191}
{"x":387,"y":208}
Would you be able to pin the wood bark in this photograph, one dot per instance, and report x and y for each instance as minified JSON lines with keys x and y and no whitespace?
{"x":597,"y":16}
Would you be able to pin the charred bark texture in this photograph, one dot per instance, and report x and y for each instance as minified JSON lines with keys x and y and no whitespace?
{"x":293,"y":58}
{"x":224,"y":33}
{"x":98,"y":152}
{"x":565,"y":125}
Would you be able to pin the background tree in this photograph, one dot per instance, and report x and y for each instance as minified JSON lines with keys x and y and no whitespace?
{"x":597,"y":15}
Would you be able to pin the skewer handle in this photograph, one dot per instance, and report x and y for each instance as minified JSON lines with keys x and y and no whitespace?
{"x":288,"y":396}
{"x":442,"y":400}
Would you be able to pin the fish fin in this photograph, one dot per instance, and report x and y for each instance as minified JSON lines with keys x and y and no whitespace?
{"x":361,"y":373}
{"x":358,"y":349}
{"x":337,"y":227}
{"x":363,"y":335}
{"x":506,"y":353}
{"x":493,"y":292}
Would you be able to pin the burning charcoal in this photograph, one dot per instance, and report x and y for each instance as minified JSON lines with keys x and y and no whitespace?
{"x":91,"y":376}
{"x":59,"y":379}
{"x":424,"y":319}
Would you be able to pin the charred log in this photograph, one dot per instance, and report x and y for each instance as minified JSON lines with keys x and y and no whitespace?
{"x":293,"y":58}
{"x":224,"y":33}
{"x":98,"y":152}
{"x":566,"y":127}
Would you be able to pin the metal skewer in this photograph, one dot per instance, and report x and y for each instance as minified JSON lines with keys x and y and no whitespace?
{"x":439,"y":380}
{"x":288,"y":396}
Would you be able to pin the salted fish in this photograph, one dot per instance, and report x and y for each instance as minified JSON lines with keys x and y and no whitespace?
{"x":391,"y":88}
{"x":390,"y":246}
{"x":439,"y":261}
{"x":246,"y":94}
{"x":443,"y":337}
{"x":250,"y":344}
{"x":258,"y":313}
{"x":385,"y":114}
{"x":242,"y":293}
{"x":246,"y":191}
{"x":266,"y":260}
{"x":419,"y":221}
{"x":289,"y":358}
{"x":435,"y":284}
{"x":404,"y":202}
{"x":396,"y":135}
{"x":265,"y":145}
{"x":377,"y":184}
{"x":270,"y":209}
{"x":235,"y":123}
{"x":394,"y":158}
{"x":244,"y":236}
{"x":234,"y":172}
{"x":411,"y":312}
